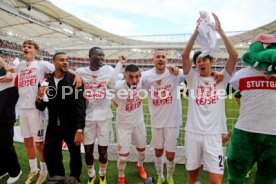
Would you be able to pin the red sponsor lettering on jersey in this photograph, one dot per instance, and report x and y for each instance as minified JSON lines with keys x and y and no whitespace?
{"x":95,"y":90}
{"x":162,"y":95}
{"x":133,"y":101}
{"x":27,"y":82}
{"x":206,"y":95}
{"x":257,"y":82}
{"x":27,"y":77}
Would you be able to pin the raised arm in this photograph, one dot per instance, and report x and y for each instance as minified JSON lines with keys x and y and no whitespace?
{"x":112,"y":80}
{"x":186,"y":63}
{"x":233,"y":55}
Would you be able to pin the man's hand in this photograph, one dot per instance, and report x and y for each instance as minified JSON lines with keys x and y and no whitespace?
{"x":7,"y":78}
{"x":77,"y":81}
{"x":218,"y":76}
{"x":122,"y":59}
{"x":41,"y":91}
{"x":78,"y":138}
{"x":173,"y":69}
{"x":217,"y":23}
{"x":226,"y":138}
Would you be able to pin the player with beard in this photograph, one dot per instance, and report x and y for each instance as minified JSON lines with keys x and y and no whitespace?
{"x":66,"y":107}
{"x":165,"y":112}
{"x":130,"y":125}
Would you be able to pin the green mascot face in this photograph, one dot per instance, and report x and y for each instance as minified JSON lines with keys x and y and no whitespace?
{"x":262,"y":54}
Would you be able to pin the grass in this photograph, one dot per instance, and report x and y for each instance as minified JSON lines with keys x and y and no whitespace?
{"x":180,"y":174}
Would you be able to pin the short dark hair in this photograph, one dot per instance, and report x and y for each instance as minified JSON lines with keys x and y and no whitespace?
{"x":197,"y":53}
{"x":131,"y":68}
{"x":93,"y":49}
{"x":58,"y":53}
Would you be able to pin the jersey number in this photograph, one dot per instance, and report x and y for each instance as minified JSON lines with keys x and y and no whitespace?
{"x":220,"y":161}
{"x":40,"y":133}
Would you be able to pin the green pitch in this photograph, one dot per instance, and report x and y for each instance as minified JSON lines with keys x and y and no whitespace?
{"x":180,"y":174}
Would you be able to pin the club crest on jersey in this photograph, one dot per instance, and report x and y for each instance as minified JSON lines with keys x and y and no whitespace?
{"x":206,"y":82}
{"x":159,"y":82}
{"x":94,"y":77}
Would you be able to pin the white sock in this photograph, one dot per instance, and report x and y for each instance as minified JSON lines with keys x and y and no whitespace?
{"x":121,"y":164}
{"x":141,"y":158}
{"x":159,"y":166}
{"x":102,"y":171}
{"x":33,"y":165}
{"x":43,"y":168}
{"x":90,"y":171}
{"x":170,"y":168}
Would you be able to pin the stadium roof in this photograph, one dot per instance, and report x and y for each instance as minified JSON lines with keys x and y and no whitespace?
{"x":54,"y":29}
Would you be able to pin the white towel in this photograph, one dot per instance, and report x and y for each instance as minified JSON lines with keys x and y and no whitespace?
{"x":207,"y":37}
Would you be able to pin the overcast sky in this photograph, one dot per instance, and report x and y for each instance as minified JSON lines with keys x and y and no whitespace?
{"x":154,"y":17}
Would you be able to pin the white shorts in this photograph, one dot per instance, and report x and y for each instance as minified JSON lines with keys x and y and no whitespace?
{"x":206,"y":148}
{"x":127,"y":136}
{"x":32,"y":124}
{"x":97,"y":129}
{"x":165,"y":138}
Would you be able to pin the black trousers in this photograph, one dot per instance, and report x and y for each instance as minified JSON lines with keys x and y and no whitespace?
{"x":53,"y":151}
{"x":8,"y":158}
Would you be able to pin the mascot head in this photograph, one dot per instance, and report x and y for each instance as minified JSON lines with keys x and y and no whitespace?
{"x":262,"y":54}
